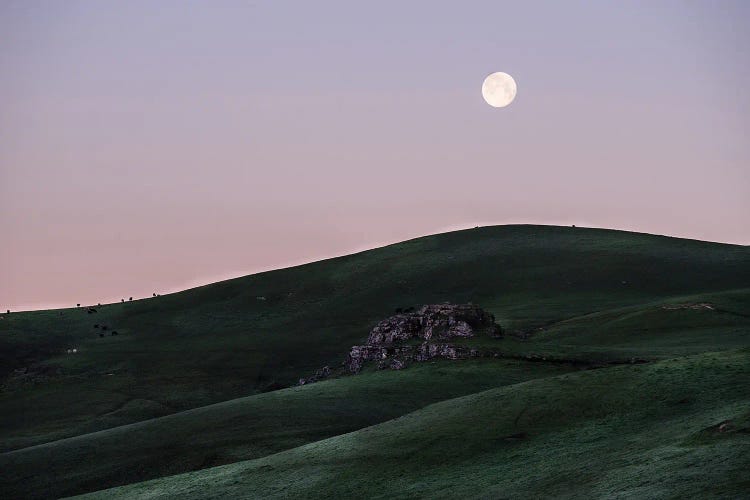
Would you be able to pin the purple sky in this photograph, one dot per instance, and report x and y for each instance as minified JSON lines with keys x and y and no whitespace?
{"x":151,"y":146}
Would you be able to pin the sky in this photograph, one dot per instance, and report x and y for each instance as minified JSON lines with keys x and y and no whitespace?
{"x":154,"y":146}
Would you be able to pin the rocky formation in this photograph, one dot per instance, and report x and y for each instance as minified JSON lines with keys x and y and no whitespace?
{"x":425,"y":334}
{"x":411,"y":336}
{"x":442,"y":321}
{"x":320,"y":374}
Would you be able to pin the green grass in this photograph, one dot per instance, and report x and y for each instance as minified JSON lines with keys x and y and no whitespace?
{"x":249,"y":427}
{"x":143,"y":404}
{"x":219,"y":342}
{"x":630,"y":432}
{"x":648,"y":331}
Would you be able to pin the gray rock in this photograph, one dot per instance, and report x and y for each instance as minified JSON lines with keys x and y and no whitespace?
{"x":428,"y":323}
{"x":320,"y":374}
{"x":360,"y":354}
{"x":397,"y":364}
{"x":442,"y":321}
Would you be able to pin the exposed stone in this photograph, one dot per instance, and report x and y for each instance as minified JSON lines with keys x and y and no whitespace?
{"x":397,"y":364}
{"x":359,"y":354}
{"x":387,"y":345}
{"x":442,"y":321}
{"x":320,"y":374}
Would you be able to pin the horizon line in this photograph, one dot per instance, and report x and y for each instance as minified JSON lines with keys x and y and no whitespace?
{"x":192,"y":285}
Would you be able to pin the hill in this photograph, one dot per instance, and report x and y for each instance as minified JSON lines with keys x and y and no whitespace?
{"x":250,"y":427}
{"x":676,"y":428}
{"x":145,"y":400}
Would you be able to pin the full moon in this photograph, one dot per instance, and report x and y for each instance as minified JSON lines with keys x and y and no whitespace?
{"x":499,"y":89}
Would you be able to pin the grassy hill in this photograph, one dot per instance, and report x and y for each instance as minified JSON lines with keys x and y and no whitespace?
{"x":249,"y":427}
{"x":632,"y":432}
{"x":566,"y":294}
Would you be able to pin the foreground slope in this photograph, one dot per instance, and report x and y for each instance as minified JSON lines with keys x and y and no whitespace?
{"x":263,"y":424}
{"x":675,"y":428}
{"x":249,"y":427}
{"x":262,"y":332}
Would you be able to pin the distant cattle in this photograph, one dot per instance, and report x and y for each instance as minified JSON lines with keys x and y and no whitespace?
{"x":104,"y":327}
{"x":131,"y":298}
{"x":101,"y":335}
{"x":114,"y":332}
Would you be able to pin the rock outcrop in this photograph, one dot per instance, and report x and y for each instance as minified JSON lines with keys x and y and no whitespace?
{"x":439,"y":332}
{"x":320,"y":374}
{"x":420,"y":335}
{"x":441,"y":321}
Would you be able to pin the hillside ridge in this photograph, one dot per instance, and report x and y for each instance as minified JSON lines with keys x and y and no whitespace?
{"x":567,"y":299}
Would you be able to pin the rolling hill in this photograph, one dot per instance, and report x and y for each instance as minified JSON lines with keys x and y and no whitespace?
{"x":206,"y":377}
{"x":630,"y":432}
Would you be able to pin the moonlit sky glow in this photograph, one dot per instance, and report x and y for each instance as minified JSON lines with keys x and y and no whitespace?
{"x":152,"y":146}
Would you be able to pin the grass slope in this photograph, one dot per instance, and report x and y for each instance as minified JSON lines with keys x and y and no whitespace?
{"x":643,"y":431}
{"x":655,"y":330}
{"x":249,"y":427}
{"x":222,"y":341}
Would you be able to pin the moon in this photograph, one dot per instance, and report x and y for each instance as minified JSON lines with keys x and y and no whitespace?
{"x":499,"y":89}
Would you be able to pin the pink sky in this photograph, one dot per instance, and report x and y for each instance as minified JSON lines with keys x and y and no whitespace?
{"x":149,"y":148}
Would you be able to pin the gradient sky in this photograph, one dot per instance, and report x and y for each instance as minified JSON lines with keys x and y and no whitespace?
{"x":151,"y":146}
